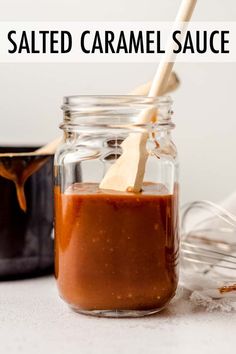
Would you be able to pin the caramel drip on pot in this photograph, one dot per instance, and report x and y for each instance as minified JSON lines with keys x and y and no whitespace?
{"x":17,"y":169}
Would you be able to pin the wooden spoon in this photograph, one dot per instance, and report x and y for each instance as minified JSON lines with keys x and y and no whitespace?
{"x":172,"y":84}
{"x":127,"y":173}
{"x":18,"y":167}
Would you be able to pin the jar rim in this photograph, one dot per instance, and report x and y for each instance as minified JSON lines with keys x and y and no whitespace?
{"x":74,"y":100}
{"x":114,"y":111}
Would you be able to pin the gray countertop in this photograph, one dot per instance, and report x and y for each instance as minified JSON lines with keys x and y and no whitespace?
{"x":34,"y":320}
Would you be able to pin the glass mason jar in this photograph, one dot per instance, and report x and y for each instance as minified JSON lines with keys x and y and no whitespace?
{"x":116,"y":253}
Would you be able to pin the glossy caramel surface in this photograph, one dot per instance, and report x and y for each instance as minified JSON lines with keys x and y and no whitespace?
{"x":116,"y":250}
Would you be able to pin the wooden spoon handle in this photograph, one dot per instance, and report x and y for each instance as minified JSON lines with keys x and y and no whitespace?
{"x":165,"y":67}
{"x":50,"y":148}
{"x":172,"y":85}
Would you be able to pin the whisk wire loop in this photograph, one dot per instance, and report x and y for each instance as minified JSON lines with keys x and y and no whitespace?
{"x":198,"y":245}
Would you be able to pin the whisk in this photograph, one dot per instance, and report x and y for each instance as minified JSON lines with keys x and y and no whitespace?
{"x":211,"y":243}
{"x":208,"y":256}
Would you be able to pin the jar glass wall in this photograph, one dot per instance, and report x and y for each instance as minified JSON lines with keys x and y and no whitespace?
{"x":116,"y":253}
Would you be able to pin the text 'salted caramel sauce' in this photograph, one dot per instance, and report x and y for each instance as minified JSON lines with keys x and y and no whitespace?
{"x":115,"y":250}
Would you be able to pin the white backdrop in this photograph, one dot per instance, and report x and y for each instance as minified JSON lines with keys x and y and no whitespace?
{"x":31,"y":94}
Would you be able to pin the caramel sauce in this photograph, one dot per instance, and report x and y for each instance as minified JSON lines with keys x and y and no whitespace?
{"x":116,"y":250}
{"x":18,"y":168}
{"x":227,"y":288}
